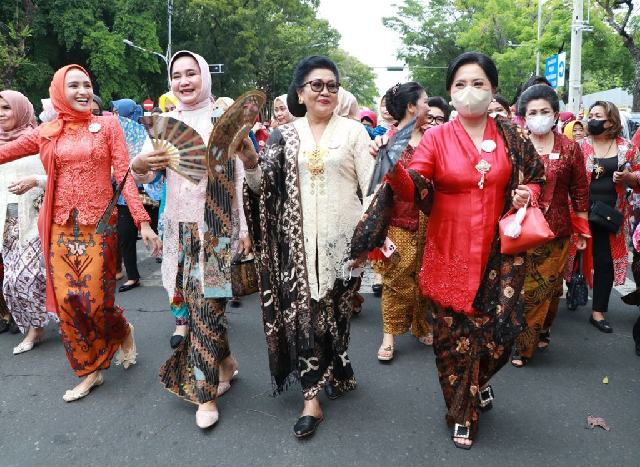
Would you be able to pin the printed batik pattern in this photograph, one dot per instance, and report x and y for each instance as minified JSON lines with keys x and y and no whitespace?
{"x":24,"y":285}
{"x":83,"y":268}
{"x":192,"y":371}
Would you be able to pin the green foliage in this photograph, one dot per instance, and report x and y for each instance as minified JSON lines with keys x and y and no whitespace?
{"x":436,"y":31}
{"x":258,"y":41}
{"x":356,"y":77}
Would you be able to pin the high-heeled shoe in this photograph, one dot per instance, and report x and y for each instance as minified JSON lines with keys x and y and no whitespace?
{"x":486,"y":397}
{"x":206,"y":418}
{"x":75,"y":394}
{"x":126,"y":359}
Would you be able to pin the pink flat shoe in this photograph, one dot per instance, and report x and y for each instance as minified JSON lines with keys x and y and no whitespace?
{"x":206,"y":418}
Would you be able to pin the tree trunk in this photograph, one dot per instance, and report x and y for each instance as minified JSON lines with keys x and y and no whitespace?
{"x":636,"y":83}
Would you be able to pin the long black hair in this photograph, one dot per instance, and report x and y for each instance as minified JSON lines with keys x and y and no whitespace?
{"x":303,"y":68}
{"x":398,"y":98}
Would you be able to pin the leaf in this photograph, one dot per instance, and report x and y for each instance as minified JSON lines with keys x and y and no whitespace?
{"x":593,"y":422}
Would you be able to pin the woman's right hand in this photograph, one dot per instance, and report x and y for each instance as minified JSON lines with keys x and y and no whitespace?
{"x":154,"y":160}
{"x":378,"y":143}
{"x":247,"y":153}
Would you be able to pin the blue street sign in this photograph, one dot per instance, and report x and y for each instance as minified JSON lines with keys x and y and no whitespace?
{"x":551,"y":70}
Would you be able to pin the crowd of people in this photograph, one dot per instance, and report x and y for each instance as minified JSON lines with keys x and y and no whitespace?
{"x":305,"y":203}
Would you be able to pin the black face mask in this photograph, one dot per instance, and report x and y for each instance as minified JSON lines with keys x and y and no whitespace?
{"x":596,"y":127}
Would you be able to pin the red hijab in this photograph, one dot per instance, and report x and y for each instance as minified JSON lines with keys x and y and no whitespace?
{"x":50,"y":132}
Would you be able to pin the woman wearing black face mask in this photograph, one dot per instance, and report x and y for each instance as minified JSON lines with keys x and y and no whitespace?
{"x":613,"y":164}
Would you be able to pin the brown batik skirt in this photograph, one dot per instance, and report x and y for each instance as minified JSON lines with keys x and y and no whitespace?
{"x":542,"y":291}
{"x":403,"y":305}
{"x":192,"y":371}
{"x":466,"y":357}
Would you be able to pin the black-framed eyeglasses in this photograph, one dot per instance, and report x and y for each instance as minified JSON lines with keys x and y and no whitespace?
{"x":437,"y":120}
{"x":317,"y":85}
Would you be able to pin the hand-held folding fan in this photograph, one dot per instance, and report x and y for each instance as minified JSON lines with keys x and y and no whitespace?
{"x":227,"y":135}
{"x":182,"y":143}
{"x":389,"y":155}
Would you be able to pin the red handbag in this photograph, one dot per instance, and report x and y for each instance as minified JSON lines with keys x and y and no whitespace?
{"x":523,"y":230}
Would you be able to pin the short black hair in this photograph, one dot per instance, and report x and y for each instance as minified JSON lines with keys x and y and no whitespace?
{"x":398,"y":97}
{"x":500,"y":99}
{"x":440,"y":103}
{"x":303,"y":68}
{"x":537,"y":91}
{"x":480,"y":59}
{"x":98,"y":100}
{"x":535,"y":79}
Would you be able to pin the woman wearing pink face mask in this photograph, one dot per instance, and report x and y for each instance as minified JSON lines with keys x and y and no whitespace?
{"x":476,"y":169}
{"x":565,"y":179}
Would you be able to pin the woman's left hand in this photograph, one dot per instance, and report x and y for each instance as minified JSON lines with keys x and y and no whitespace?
{"x":625,"y":177}
{"x":581,"y":242}
{"x":21,"y":186}
{"x":150,"y":239}
{"x":245,"y":245}
{"x":521,"y":196}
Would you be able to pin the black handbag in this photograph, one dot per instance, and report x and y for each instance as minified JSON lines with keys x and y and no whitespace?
{"x":605,"y":216}
{"x":578,"y":292}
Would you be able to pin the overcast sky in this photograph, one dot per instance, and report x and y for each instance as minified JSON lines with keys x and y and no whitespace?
{"x":359,"y":22}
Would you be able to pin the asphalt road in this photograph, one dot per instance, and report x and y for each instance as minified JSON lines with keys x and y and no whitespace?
{"x":395,"y":417}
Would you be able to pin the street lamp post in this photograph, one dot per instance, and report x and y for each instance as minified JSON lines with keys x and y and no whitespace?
{"x":158,"y":54}
{"x":540,"y":4}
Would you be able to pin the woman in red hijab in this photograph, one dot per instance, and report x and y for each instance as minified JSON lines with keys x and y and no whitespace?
{"x":78,"y":151}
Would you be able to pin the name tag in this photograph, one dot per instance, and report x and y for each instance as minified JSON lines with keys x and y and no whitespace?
{"x":554,"y":156}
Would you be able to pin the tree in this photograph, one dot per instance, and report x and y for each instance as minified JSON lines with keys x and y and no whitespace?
{"x":258,"y":41}
{"x":356,"y":78}
{"x":429,"y":38}
{"x":435,"y":32}
{"x":626,"y":26}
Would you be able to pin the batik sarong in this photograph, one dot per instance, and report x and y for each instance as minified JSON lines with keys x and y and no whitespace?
{"x":403,"y":305}
{"x":83,"y":268}
{"x":192,"y":371}
{"x":542,"y":291}
{"x":328,"y":360}
{"x":467,"y":356}
{"x":24,"y":286}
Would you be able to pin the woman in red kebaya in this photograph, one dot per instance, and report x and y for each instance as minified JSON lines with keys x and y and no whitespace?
{"x":477,"y":168}
{"x":78,"y":151}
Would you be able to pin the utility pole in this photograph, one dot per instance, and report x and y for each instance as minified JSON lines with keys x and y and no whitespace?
{"x":540,"y":3}
{"x":575,"y":69}
{"x":170,"y":13}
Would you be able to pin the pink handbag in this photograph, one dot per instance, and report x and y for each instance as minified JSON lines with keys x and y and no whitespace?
{"x":523,"y":230}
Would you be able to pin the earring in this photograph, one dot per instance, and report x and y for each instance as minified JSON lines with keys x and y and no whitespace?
{"x":300,"y":100}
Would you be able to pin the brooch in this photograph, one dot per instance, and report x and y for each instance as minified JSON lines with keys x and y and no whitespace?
{"x":94,"y":127}
{"x":488,"y":145}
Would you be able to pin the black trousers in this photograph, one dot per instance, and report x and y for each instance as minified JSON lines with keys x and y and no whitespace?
{"x":128,"y":236}
{"x":602,"y":268}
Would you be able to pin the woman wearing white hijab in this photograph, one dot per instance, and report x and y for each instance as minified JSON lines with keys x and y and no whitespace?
{"x":201,"y":368}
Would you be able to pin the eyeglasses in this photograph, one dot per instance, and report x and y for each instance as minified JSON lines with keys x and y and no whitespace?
{"x":437,"y":120}
{"x":317,"y":85}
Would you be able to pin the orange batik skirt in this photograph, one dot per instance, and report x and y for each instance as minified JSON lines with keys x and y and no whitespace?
{"x":83,"y":269}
